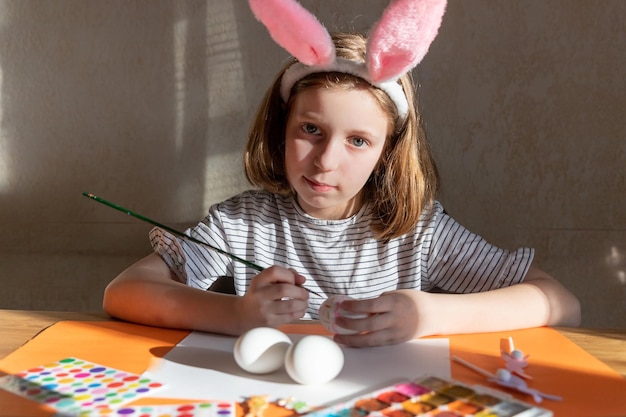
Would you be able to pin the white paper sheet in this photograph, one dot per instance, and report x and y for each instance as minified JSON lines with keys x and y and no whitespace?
{"x":202,"y":367}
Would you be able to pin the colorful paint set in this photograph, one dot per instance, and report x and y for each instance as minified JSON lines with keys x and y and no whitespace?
{"x":76,"y":387}
{"x":432,"y":396}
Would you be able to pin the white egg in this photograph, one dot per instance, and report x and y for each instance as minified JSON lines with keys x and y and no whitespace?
{"x":314,"y":360}
{"x":329,"y":311}
{"x":261,"y":350}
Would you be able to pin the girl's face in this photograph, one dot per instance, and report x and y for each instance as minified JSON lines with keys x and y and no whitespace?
{"x":333,"y":141}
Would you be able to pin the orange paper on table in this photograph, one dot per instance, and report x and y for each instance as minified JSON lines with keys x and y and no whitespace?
{"x":119,"y":345}
{"x":558,"y":366}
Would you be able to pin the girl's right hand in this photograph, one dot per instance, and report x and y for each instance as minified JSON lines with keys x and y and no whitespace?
{"x":275,"y":297}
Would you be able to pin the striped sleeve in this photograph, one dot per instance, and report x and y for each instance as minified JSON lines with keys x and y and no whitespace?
{"x":168,"y":247}
{"x":192,"y":264}
{"x":463,"y":262}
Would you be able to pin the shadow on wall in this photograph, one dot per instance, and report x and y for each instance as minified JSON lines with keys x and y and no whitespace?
{"x":140,"y":102}
{"x":113,"y":98}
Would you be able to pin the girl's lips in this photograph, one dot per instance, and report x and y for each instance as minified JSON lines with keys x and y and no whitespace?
{"x":317,"y":186}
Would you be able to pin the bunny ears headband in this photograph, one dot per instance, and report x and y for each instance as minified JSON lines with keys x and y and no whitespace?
{"x":397,"y":43}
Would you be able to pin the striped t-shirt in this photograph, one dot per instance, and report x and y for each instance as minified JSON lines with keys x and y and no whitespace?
{"x":337,"y":256}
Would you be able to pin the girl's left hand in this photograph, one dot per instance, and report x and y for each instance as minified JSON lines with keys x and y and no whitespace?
{"x":391,"y":318}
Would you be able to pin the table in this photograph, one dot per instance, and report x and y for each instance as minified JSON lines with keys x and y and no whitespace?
{"x":585,"y":366}
{"x":19,"y":326}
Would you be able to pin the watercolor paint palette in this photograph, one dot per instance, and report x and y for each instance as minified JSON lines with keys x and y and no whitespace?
{"x":433,"y":396}
{"x":74,"y":386}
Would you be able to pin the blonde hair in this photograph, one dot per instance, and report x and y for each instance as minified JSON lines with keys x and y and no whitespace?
{"x":405,"y":179}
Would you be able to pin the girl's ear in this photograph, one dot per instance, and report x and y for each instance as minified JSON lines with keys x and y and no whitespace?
{"x":402,"y":36}
{"x":295,"y":29}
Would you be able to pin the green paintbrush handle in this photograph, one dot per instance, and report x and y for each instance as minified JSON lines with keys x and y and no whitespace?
{"x":172,"y":231}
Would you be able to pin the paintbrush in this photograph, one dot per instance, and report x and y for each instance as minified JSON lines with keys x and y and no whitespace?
{"x":180,"y":234}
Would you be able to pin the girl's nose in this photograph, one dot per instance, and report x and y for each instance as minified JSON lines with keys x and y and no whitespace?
{"x":328,"y":154}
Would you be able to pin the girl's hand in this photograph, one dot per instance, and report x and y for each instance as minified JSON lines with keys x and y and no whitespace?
{"x":274,"y":297}
{"x":392,"y":318}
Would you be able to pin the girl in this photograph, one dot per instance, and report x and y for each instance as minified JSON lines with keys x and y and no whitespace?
{"x":344,"y":204}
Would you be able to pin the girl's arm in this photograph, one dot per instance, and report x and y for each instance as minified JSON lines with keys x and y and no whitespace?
{"x":405,"y":314}
{"x":148,"y":293}
{"x":539,"y":300}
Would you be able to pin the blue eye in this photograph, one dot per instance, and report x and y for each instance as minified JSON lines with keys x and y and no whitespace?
{"x":310,"y":129}
{"x":359,"y":142}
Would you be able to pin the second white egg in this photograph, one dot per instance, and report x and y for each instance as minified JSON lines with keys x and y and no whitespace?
{"x":314,"y":360}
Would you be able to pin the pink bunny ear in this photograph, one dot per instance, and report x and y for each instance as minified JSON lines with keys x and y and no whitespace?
{"x":402,"y":37}
{"x":295,"y":29}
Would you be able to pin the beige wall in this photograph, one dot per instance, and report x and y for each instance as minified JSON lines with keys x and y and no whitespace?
{"x":147,"y":103}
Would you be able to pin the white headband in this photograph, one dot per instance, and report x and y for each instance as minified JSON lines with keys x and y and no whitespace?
{"x":298,"y":71}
